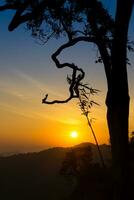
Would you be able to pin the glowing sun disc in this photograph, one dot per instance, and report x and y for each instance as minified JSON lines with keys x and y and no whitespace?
{"x":74,"y":134}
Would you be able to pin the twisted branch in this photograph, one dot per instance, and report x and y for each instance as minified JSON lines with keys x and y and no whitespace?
{"x":77,"y":75}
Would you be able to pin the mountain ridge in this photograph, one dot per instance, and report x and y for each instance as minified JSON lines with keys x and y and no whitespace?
{"x":33,"y":176}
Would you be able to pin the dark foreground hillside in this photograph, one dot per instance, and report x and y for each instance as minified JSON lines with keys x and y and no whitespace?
{"x":35,"y":176}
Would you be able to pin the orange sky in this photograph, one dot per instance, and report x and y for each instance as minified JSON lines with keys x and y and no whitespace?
{"x":24,"y":128}
{"x":27,"y":74}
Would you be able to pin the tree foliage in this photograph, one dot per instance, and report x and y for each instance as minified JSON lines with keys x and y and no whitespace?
{"x":90,"y":180}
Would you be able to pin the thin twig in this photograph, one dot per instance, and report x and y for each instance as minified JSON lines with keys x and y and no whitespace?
{"x":99,"y":151}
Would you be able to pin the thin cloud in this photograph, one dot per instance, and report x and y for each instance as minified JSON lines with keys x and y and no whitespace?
{"x":37,"y":84}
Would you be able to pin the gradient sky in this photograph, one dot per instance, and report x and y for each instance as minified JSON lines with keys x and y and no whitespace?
{"x":27,"y":73}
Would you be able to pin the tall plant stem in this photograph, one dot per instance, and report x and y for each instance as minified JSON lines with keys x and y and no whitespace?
{"x":98,"y":148}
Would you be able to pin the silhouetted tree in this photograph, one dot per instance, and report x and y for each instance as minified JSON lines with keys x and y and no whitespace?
{"x":90,"y":179}
{"x":88,"y":21}
{"x":118,"y":98}
{"x":77,"y":162}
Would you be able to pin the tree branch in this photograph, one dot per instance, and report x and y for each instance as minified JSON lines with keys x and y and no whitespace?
{"x":17,"y":20}
{"x":59,"y":101}
{"x":74,"y":82}
{"x":69,"y":44}
{"x":7,"y":7}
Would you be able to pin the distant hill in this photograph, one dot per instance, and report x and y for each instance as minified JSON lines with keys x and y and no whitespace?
{"x":33,"y":176}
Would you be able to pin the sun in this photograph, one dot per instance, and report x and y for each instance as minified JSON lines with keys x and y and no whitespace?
{"x":74,"y":134}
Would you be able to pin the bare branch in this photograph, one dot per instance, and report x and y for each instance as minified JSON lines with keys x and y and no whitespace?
{"x":59,"y":101}
{"x":74,"y":83}
{"x":77,"y":75}
{"x":69,"y":34}
{"x":69,"y":44}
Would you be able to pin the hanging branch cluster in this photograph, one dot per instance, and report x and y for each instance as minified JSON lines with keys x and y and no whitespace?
{"x":85,"y":101}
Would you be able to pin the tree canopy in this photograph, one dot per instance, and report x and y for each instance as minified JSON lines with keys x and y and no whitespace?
{"x":78,"y":21}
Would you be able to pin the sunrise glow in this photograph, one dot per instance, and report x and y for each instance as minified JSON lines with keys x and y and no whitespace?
{"x":74,"y":134}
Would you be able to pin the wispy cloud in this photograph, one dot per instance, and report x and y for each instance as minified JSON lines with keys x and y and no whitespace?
{"x":14,"y":93}
{"x":21,"y":112}
{"x":38,"y":84}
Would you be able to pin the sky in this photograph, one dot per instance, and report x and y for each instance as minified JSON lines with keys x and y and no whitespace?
{"x":27,"y":73}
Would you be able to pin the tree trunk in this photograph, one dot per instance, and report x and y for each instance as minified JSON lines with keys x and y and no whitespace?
{"x":118,"y":102}
{"x":117,"y":116}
